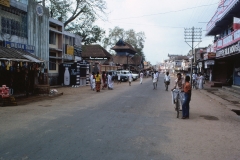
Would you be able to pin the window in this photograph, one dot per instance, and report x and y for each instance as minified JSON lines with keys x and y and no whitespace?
{"x":66,"y":40}
{"x":12,"y":27}
{"x":53,"y":54}
{"x":52,"y":64}
{"x":52,"y":38}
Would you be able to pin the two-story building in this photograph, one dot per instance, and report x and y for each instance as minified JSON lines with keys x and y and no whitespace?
{"x":226,"y":42}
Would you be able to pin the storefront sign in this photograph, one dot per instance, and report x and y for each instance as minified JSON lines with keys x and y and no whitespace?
{"x":228,"y":50}
{"x":5,"y":3}
{"x":209,"y":55}
{"x":28,"y":48}
{"x":69,"y":50}
{"x":208,"y":63}
{"x":68,"y":57}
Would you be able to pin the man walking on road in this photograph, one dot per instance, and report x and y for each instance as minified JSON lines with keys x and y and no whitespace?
{"x":154,"y":80}
{"x":167,"y":80}
{"x":130,"y":78}
{"x":141,"y":77}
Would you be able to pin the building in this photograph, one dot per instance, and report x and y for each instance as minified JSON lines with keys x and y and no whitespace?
{"x":226,"y":43}
{"x":97,"y":56}
{"x":21,"y":61}
{"x":126,"y":56}
{"x":56,"y":47}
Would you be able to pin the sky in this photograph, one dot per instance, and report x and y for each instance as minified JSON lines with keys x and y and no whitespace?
{"x":163,"y":22}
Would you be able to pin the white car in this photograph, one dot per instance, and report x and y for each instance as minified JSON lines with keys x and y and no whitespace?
{"x":134,"y":75}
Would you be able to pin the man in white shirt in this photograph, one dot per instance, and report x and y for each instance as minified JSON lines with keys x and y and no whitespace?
{"x":130,"y":78}
{"x":119,"y":78}
{"x":110,"y":81}
{"x":194,"y":78}
{"x":141,"y":77}
{"x":167,"y":80}
{"x":91,"y":80}
{"x":154,"y":80}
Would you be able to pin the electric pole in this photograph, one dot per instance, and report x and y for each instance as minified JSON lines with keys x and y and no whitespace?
{"x":192,"y":35}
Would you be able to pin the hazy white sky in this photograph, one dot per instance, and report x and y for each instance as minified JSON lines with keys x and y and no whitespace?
{"x":162,"y":21}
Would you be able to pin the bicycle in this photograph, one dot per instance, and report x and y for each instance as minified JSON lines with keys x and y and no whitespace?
{"x":178,"y":100}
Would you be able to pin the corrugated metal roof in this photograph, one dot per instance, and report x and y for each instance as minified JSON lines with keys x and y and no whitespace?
{"x":17,"y":55}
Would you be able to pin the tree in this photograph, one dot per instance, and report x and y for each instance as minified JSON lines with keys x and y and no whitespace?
{"x":79,"y":16}
{"x":137,"y":40}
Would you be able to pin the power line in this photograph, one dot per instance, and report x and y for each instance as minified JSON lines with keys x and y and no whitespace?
{"x":165,"y":12}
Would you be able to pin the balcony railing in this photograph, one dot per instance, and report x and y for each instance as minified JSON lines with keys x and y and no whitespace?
{"x":233,"y":37}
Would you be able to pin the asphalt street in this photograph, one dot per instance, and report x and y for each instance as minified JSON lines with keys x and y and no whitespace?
{"x":128,"y":123}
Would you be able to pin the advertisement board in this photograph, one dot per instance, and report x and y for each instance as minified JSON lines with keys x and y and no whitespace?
{"x":69,"y":50}
{"x":71,"y":73}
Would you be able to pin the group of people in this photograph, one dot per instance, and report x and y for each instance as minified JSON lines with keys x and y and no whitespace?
{"x":185,"y":86}
{"x":96,"y":80}
{"x":198,"y":80}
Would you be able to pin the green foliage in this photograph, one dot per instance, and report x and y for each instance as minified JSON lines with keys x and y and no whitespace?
{"x":79,"y":16}
{"x":137,"y":40}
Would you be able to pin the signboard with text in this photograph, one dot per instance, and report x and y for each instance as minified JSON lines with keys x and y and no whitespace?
{"x":25,"y":47}
{"x":69,"y":50}
{"x":228,"y":50}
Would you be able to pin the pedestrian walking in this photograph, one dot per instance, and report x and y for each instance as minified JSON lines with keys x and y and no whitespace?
{"x":200,"y":81}
{"x":154,"y":80}
{"x":141,"y":77}
{"x":119,"y":78}
{"x":110,"y":81}
{"x":187,"y":98}
{"x":130,"y":78}
{"x":194,"y":78}
{"x":98,"y":82}
{"x":157,"y":75}
{"x":91,"y":80}
{"x":147,"y":74}
{"x":167,"y":80}
{"x":93,"y":83}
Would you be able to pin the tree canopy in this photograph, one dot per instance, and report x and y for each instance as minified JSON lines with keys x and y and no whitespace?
{"x":136,"y":39}
{"x":79,"y":16}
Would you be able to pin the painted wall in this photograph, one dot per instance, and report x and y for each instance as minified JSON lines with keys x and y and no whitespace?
{"x":38,"y":31}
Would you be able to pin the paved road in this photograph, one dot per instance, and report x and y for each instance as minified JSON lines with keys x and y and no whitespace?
{"x":127,"y":123}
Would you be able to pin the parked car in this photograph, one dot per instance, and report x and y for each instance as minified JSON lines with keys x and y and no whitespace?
{"x":123,"y":75}
{"x":134,"y":75}
{"x":113,"y":73}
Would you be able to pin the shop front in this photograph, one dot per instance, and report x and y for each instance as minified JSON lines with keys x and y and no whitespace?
{"x":227,"y":65}
{"x":20,"y":71}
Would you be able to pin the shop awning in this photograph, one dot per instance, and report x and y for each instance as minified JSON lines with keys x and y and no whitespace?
{"x":12,"y":54}
{"x":33,"y":59}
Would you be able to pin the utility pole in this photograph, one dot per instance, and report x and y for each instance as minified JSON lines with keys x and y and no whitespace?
{"x":193,"y":35}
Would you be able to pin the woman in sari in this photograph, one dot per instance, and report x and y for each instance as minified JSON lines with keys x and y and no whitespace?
{"x":98,"y":82}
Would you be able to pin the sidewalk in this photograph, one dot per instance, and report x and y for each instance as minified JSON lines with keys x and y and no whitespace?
{"x":213,"y":93}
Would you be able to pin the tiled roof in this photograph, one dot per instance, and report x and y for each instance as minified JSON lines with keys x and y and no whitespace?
{"x":120,"y":45}
{"x":16,"y":54}
{"x":95,"y":51}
